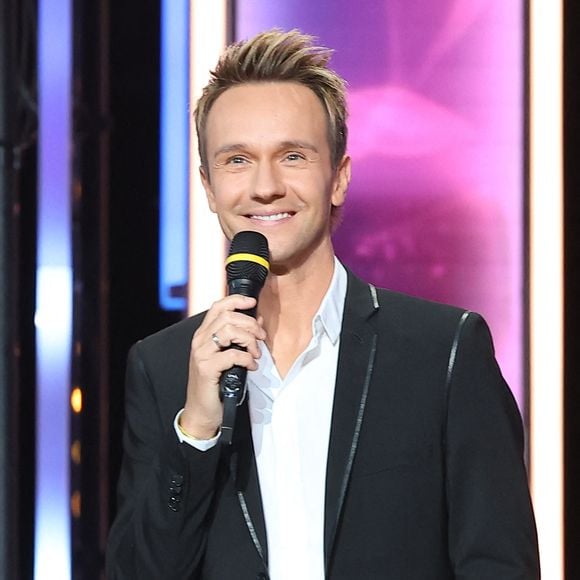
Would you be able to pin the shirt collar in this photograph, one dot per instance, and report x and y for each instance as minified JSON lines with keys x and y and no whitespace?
{"x":328,"y":318}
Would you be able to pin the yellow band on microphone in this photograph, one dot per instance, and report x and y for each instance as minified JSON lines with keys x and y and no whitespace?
{"x":248,"y":258}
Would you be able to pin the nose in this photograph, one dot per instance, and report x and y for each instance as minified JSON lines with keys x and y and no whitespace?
{"x":267,"y":185}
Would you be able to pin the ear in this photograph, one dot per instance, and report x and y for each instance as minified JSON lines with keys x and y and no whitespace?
{"x":341,"y":181}
{"x":208,"y":189}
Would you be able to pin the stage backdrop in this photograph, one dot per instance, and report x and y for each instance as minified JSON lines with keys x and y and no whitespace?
{"x":436,"y":100}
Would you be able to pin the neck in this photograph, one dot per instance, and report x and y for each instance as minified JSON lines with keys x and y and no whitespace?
{"x":288,"y":304}
{"x":290,"y":299}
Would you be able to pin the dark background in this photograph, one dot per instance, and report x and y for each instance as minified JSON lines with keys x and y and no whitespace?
{"x":115,"y":215}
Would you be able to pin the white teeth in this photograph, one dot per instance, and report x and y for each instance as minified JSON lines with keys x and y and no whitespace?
{"x":271,"y":218}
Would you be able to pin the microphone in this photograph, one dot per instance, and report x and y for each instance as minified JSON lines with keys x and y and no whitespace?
{"x":247,"y":267}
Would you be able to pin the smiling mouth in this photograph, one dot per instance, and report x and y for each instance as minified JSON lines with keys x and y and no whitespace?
{"x":271,"y":218}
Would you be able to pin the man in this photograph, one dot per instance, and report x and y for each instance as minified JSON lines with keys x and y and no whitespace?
{"x":378,"y":438}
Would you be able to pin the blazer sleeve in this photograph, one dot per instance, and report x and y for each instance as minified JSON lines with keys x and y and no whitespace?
{"x":165,"y":491}
{"x":492,"y":532}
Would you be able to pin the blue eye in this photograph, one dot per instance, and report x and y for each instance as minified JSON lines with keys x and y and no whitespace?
{"x":237,"y":159}
{"x":294,"y":157}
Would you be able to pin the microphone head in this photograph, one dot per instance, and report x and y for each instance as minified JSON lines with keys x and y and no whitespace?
{"x":249,"y":258}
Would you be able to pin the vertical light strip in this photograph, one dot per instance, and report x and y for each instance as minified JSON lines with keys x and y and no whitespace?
{"x":546,"y":280}
{"x":173,"y":153}
{"x":208,"y":25}
{"x":53,"y":318}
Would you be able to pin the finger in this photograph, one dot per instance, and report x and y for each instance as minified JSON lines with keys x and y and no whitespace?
{"x":213,"y":367}
{"x":238,"y":320}
{"x":229,"y":334}
{"x":233,"y":357}
{"x":228,"y":311}
{"x":229,"y":304}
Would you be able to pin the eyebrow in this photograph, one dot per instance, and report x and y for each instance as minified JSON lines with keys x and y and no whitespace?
{"x":292,"y":144}
{"x":298,"y":145}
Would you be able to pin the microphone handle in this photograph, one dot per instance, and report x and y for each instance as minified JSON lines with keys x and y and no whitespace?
{"x":233,"y":381}
{"x":232,"y":393}
{"x":245,"y":287}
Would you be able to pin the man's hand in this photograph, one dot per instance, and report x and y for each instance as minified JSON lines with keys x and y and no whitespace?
{"x":222,"y":327}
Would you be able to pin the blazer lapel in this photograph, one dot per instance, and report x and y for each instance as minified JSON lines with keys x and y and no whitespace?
{"x":244,"y":471}
{"x":355,"y":364}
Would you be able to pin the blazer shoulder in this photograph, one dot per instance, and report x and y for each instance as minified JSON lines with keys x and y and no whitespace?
{"x":428,"y":325}
{"x":365,"y":296}
{"x":408,"y":309}
{"x":414,"y":304}
{"x":406,"y":316}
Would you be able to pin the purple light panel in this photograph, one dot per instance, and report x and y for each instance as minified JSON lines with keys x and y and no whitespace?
{"x":53,"y":317}
{"x":436,"y":126}
{"x":173,"y":154}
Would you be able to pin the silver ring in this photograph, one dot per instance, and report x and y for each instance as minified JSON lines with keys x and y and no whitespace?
{"x":216,"y":340}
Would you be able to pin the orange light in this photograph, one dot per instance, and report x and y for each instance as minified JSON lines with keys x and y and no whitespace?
{"x":75,"y":504}
{"x":76,"y":400}
{"x":75,"y":452}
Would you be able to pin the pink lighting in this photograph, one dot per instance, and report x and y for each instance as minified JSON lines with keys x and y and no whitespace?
{"x":436,"y":98}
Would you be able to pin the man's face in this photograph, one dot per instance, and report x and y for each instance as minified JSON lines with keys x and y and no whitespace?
{"x":269,"y":168}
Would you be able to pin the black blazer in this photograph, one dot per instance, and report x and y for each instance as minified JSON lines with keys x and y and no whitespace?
{"x":425,"y":477}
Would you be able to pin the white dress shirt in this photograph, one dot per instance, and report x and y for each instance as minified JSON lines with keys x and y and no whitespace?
{"x":290,"y":421}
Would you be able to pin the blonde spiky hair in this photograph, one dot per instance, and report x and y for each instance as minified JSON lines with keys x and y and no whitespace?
{"x":273,"y":56}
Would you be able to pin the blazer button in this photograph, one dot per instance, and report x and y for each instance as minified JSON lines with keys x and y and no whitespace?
{"x":261,"y":576}
{"x":175,"y":490}
{"x":173,"y":503}
{"x":177,"y":480}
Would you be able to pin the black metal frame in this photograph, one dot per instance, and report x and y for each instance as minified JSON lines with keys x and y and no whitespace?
{"x":18,"y":132}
